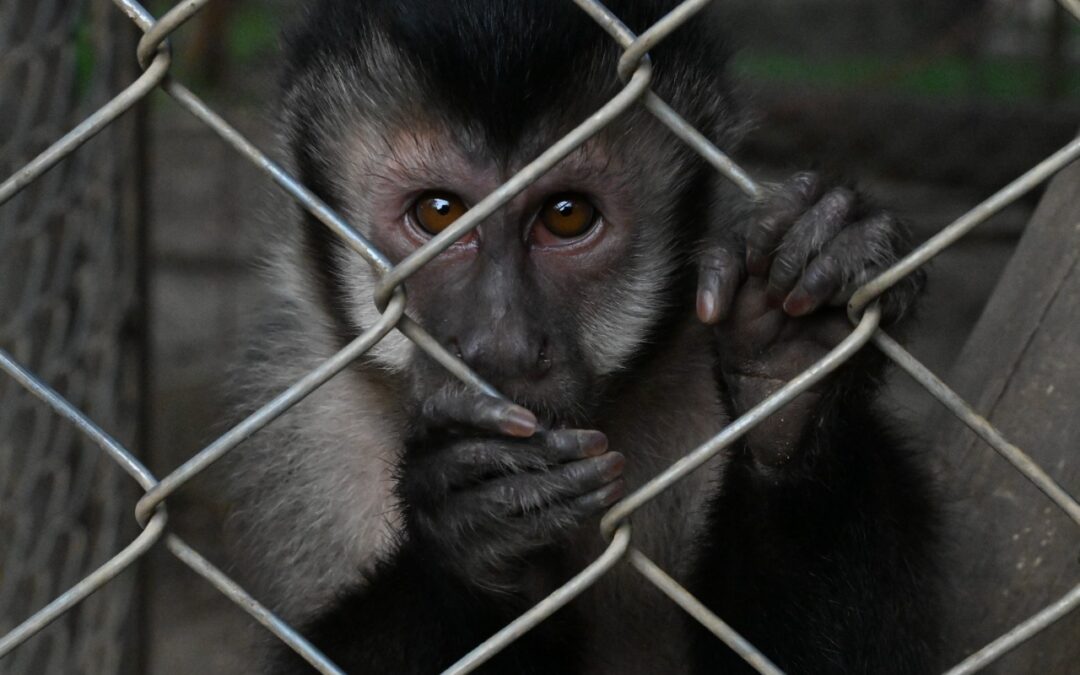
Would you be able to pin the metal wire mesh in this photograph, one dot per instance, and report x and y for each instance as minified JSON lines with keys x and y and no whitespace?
{"x":635,"y":71}
{"x":67,"y":289}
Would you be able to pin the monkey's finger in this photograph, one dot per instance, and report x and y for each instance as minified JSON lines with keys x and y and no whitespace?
{"x":523,"y":493}
{"x":434,"y":468}
{"x":853,"y":256}
{"x":479,"y":411}
{"x":778,"y":214}
{"x":565,"y":445}
{"x":548,"y":525}
{"x":811,"y":232}
{"x":720,"y":273}
{"x":469,"y":462}
{"x":475,"y":459}
{"x":466,"y":462}
{"x":533,"y":530}
{"x":601,"y":499}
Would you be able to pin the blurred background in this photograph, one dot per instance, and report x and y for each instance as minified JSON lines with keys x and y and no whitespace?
{"x":127,"y":274}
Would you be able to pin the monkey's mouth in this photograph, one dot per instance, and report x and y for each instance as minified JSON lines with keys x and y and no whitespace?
{"x":558,"y":399}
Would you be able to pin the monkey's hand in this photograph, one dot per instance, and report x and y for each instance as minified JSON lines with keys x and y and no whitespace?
{"x":775,"y":290}
{"x":483,"y":488}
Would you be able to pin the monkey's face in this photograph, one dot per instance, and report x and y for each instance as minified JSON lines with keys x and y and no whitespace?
{"x":545,"y":298}
{"x":403,"y":119}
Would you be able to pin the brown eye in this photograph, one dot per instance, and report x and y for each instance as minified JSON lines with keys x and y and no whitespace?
{"x":435,"y":211}
{"x":568,"y":216}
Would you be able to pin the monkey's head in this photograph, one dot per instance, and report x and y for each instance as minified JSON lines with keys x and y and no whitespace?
{"x":401,"y":114}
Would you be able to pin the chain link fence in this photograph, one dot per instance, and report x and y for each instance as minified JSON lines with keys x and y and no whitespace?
{"x":68,"y":294}
{"x":31,"y":370}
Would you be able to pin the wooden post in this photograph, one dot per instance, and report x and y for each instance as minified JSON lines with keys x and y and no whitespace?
{"x":1012,"y":552}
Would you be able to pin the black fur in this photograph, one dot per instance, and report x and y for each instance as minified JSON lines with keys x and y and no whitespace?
{"x":382,"y":631}
{"x":830,"y":566}
{"x":500,"y":64}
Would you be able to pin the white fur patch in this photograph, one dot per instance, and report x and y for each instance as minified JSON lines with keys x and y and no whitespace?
{"x":395,"y":351}
{"x":615,"y":326}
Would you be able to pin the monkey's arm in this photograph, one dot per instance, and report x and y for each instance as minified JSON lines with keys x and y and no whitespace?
{"x":827,"y":564}
{"x":412,"y":618}
{"x":822,"y":534}
{"x":774,"y":280}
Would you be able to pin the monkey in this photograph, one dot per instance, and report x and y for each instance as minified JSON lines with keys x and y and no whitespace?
{"x":629,"y":304}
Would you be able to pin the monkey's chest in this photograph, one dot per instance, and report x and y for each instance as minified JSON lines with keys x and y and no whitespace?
{"x":631,"y":626}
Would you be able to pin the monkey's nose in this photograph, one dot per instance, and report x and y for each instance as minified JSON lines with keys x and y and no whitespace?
{"x":504,"y":357}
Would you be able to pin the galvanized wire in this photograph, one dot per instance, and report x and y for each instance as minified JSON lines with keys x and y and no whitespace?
{"x":635,"y":71}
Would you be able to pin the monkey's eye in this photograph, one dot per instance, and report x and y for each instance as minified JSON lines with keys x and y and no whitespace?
{"x":435,"y":211}
{"x":568,"y":215}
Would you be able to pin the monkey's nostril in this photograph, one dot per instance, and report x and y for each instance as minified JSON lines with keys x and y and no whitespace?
{"x":455,"y":348}
{"x":543,"y":358}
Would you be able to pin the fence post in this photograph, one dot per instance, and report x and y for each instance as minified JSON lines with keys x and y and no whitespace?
{"x":1013,"y":551}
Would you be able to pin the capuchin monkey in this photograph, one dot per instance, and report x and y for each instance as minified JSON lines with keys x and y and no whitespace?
{"x":630,"y":303}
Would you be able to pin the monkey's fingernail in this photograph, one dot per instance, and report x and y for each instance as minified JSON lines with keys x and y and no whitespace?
{"x":706,"y":306}
{"x":613,"y":493}
{"x":518,"y":422}
{"x":595,"y":444}
{"x":798,"y":303}
{"x":757,"y":265}
{"x":614,"y":464}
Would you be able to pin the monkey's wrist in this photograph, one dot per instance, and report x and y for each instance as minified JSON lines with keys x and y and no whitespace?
{"x":776,"y":440}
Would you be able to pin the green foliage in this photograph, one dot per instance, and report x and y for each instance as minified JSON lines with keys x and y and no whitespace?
{"x":253,"y":27}
{"x":947,"y":77}
{"x":253,"y":34}
{"x":85,"y":57}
